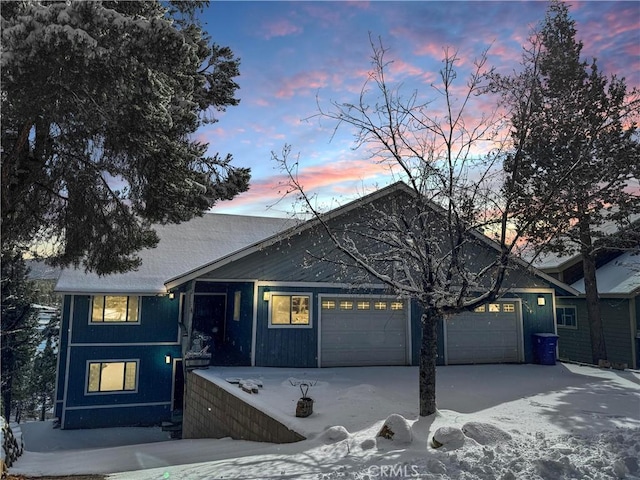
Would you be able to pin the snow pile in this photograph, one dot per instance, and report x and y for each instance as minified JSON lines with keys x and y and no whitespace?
{"x":450,"y":438}
{"x":397,"y":429}
{"x":334,"y":434}
{"x":607,"y":455}
{"x":485,"y":433}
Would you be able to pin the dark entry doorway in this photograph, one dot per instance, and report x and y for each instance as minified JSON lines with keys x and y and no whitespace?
{"x":209,"y":315}
{"x":178,"y":386}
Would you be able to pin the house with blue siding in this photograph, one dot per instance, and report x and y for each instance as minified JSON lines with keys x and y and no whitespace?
{"x":225,"y":290}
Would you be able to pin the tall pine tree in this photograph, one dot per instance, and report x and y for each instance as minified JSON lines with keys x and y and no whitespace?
{"x":100,"y":101}
{"x":18,"y":327}
{"x":576,"y":149}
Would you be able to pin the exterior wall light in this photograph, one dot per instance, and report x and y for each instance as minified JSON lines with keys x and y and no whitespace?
{"x":167,"y":359}
{"x":541,"y":301}
{"x":172,"y":295}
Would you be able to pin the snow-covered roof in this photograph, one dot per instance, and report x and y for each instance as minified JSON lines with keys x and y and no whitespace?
{"x":620,"y":276}
{"x":182,"y":248}
{"x":555,"y":262}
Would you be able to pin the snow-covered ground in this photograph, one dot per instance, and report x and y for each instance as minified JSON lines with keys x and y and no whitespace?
{"x":495,"y":421}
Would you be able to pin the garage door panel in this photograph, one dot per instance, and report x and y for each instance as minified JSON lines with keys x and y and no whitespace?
{"x":331,"y":324}
{"x":484,"y":337}
{"x":354,"y":340}
{"x":363,"y":337}
{"x":380,"y":355}
{"x":481,"y":354}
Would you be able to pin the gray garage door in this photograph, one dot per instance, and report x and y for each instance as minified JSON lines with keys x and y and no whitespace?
{"x":491,"y":334}
{"x":357,"y":331}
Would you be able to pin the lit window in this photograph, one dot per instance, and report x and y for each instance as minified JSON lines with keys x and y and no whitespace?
{"x":480,"y":309}
{"x":397,"y":306}
{"x":290,"y":310}
{"x":328,"y":304}
{"x":112,"y":376}
{"x":346,"y":305}
{"x":567,"y":316}
{"x":114,"y":308}
{"x":380,"y":305}
{"x":364,"y":305}
{"x":508,"y":307}
{"x":494,"y":307}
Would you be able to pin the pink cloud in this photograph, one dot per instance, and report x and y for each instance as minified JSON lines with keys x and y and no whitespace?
{"x":212,"y":134}
{"x":402,"y":68}
{"x":327,"y":174}
{"x":433,"y":50}
{"x":326,"y":178}
{"x":633,"y":50}
{"x":327,"y":14}
{"x":280,"y":28}
{"x":507,"y":55}
{"x":302,"y":82}
{"x":622,"y":22}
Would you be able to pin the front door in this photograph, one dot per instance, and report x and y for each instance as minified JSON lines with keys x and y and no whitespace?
{"x":209,"y":314}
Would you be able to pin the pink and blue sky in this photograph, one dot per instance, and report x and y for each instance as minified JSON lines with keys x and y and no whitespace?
{"x":295,"y":52}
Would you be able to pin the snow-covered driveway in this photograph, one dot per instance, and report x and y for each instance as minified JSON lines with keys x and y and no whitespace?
{"x":565,"y":421}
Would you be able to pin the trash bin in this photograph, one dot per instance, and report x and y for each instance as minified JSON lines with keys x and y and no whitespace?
{"x":544,"y":348}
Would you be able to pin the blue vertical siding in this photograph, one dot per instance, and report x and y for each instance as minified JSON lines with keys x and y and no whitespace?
{"x":535,"y":319}
{"x":158,"y":323}
{"x":154,"y":375}
{"x":148,"y":342}
{"x":286,"y":347}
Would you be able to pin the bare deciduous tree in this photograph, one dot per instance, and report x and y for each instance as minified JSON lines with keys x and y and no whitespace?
{"x":427,"y":244}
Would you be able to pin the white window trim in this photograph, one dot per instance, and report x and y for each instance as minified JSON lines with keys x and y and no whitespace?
{"x":92,"y":297}
{"x":111,"y":392}
{"x":561,"y":325}
{"x":294,"y":294}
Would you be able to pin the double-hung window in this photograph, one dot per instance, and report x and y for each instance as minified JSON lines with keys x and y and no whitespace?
{"x":290,"y":310}
{"x":115,"y":309}
{"x":112,"y":376}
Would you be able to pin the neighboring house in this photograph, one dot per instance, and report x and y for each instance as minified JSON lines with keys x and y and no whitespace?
{"x":47,"y":306}
{"x":618,"y":280}
{"x":236,"y":290}
{"x":46,"y":315}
